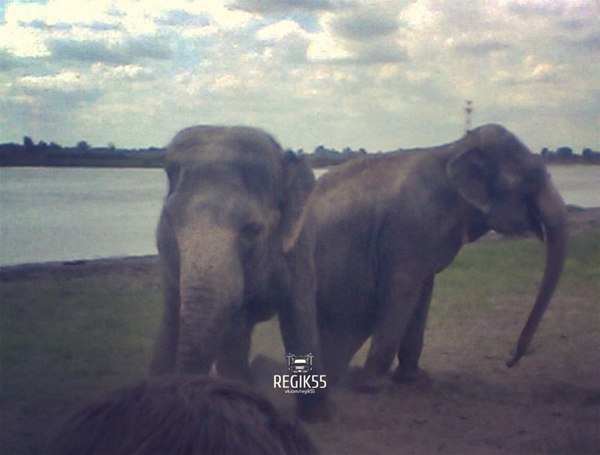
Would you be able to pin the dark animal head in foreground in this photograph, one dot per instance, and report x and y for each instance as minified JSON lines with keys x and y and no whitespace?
{"x":193,"y":415}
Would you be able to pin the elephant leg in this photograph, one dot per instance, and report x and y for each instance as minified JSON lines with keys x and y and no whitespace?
{"x":232,"y":359}
{"x":398,"y":298}
{"x":412,"y":342}
{"x":165,"y":347}
{"x":344,"y":350}
{"x":296,"y":307}
{"x":298,"y":324}
{"x":298,"y":330}
{"x":338,"y":348}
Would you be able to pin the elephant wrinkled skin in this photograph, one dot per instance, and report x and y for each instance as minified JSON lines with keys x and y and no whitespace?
{"x":234,"y":250}
{"x":387,"y":224}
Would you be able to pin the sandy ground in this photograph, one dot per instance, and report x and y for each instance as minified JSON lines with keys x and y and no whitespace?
{"x":470,"y":403}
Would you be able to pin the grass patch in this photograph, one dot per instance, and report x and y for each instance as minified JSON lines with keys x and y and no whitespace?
{"x":485,"y":269}
{"x":64,"y":337}
{"x":488,"y":270}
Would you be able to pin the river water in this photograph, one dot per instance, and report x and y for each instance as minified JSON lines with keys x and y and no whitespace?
{"x":60,"y":214}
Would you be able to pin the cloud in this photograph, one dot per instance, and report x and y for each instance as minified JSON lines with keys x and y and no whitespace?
{"x":481,"y":48}
{"x":286,"y":41}
{"x":179,"y":18}
{"x":537,"y":74}
{"x":279,"y":30}
{"x":8,"y":61}
{"x":588,"y":40}
{"x":365,"y":23}
{"x":276,"y":6}
{"x":390,"y":52}
{"x":359,"y":35}
{"x":45,"y":100}
{"x":527,"y":9}
{"x":131,"y":49}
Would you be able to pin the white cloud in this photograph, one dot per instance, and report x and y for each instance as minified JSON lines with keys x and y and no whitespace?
{"x":22,"y":43}
{"x":226,"y":82}
{"x":68,"y":81}
{"x":279,"y":30}
{"x":324,"y":48}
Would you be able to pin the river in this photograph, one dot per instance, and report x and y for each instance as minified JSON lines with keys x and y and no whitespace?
{"x":61,"y":214}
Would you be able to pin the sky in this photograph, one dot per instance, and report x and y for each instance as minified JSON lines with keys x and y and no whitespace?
{"x":380,"y":74}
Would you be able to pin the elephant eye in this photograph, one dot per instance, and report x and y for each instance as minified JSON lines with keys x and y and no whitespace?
{"x":534,"y":180}
{"x":251,"y":232}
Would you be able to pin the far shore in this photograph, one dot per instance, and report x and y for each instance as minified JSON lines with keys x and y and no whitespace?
{"x":579,"y":219}
{"x":17,"y":155}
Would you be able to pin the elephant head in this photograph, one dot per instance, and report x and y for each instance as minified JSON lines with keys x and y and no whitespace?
{"x":235,"y":208}
{"x":512,"y":193}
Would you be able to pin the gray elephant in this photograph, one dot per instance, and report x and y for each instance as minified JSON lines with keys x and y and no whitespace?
{"x":234,"y":250}
{"x":387,"y":224}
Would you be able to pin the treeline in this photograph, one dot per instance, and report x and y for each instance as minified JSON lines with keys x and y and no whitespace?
{"x":83,"y":155}
{"x":567,"y":155}
{"x":324,"y":157}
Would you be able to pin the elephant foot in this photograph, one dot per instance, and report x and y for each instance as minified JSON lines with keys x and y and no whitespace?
{"x":364,"y":381}
{"x":405,"y":375}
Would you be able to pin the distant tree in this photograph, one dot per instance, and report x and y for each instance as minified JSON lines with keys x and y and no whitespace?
{"x":564,"y":151}
{"x":83,"y":146}
{"x":111,"y":146}
{"x":589,"y":154}
{"x":28,"y":144}
{"x":545,"y":151}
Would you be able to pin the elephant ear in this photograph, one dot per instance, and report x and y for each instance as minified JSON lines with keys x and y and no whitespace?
{"x":473,"y":173}
{"x":172,"y":171}
{"x":299,"y":182}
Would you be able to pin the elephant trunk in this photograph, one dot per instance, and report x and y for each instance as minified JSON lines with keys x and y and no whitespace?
{"x":211,"y":287}
{"x":552,"y":216}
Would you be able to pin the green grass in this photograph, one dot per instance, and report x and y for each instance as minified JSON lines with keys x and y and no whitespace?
{"x":494,"y":269}
{"x":66,"y":338}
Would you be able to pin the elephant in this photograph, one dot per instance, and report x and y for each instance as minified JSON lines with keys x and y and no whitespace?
{"x":235,"y":243}
{"x":387,"y":224}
